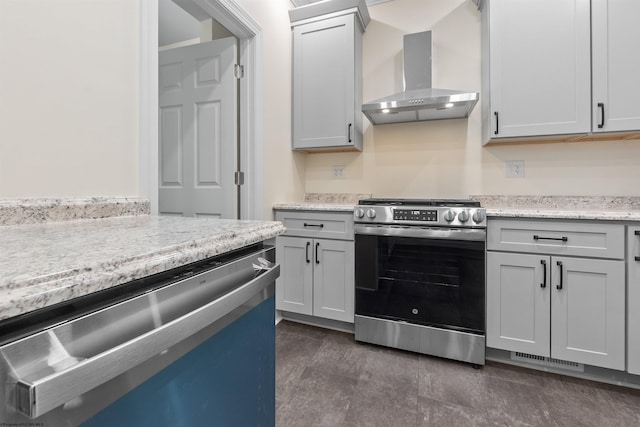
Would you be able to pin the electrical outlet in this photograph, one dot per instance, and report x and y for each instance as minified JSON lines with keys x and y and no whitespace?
{"x":337,"y":172}
{"x":514,"y":168}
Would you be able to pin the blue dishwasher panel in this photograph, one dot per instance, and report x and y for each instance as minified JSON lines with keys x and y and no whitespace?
{"x":229,"y":380}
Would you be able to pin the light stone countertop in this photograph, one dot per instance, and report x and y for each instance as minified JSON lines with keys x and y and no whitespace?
{"x":331,"y":202}
{"x":43,"y":264}
{"x":595,"y":215}
{"x":599,"y":208}
{"x":33,"y":210}
{"x":309,"y":206}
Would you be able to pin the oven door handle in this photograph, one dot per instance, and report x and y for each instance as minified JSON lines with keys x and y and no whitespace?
{"x":40,"y":393}
{"x":468,"y":234}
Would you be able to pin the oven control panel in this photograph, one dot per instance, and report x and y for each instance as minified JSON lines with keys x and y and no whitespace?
{"x":427,"y":215}
{"x":440,"y":216}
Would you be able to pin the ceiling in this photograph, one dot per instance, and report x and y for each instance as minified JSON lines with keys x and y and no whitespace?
{"x":175,"y":24}
{"x":298,"y":3}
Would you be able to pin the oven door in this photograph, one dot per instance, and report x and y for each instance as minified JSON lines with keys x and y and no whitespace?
{"x":427,"y":276}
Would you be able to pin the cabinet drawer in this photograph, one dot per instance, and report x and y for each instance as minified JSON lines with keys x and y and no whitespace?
{"x":587,"y":239}
{"x":326,"y":225}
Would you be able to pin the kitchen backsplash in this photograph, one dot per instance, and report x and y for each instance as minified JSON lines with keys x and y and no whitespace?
{"x":338,"y":198}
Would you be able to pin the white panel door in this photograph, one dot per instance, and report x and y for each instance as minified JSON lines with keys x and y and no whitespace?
{"x":518,"y":302}
{"x":294,"y":287}
{"x":588,"y":311}
{"x":334,"y":280}
{"x":198,"y":130}
{"x":540,"y":77}
{"x":633,"y":301}
{"x":616,"y":65}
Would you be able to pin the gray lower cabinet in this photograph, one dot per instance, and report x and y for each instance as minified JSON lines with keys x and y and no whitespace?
{"x":518,"y":306}
{"x":316,"y":277}
{"x":633,"y":298}
{"x":563,"y":307}
{"x":294,"y":288}
{"x":316,"y":273}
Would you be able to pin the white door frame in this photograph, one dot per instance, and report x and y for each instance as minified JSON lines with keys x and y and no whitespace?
{"x":235,"y":19}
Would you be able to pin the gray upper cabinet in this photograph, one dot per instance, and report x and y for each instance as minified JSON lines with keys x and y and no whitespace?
{"x":541,"y":59}
{"x":327,"y":77}
{"x":536,"y":71}
{"x":616,"y":65}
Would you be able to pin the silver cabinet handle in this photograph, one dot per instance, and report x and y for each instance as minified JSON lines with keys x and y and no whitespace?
{"x":39,"y":395}
{"x":637,"y":233}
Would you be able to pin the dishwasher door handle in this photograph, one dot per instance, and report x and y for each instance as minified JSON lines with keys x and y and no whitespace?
{"x":37,"y":396}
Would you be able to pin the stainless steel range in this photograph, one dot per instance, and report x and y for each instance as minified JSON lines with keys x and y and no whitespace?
{"x":420,"y":276}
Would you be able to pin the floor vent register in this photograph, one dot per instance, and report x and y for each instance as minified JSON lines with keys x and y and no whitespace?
{"x":546,"y":361}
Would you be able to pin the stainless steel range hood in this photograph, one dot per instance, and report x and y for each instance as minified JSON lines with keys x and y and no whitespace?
{"x":419,"y":101}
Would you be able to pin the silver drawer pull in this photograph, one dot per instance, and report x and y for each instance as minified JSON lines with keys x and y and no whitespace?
{"x":637,"y":233}
{"x":563,"y":238}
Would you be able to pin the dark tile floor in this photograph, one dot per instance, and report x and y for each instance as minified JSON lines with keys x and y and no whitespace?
{"x":325,"y":378}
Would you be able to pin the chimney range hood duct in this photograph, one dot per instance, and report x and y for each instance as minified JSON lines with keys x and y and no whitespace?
{"x":419,"y":101}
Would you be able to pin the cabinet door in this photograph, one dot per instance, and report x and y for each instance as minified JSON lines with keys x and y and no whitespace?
{"x":294,"y":287}
{"x":633,"y":302}
{"x":588,"y":311}
{"x":518,"y":302}
{"x":333,"y":295}
{"x":324,"y":83}
{"x":616,"y":65}
{"x":539,"y":67}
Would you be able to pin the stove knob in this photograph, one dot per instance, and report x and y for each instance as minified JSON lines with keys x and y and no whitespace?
{"x":463,"y":216}
{"x":449,"y":215}
{"x":371,"y":213}
{"x":478,"y":216}
{"x":359,"y":213}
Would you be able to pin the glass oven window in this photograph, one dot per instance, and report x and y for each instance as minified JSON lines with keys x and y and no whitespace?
{"x":426,"y":281}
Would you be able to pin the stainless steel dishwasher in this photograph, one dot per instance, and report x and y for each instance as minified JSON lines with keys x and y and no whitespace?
{"x":73,"y":362}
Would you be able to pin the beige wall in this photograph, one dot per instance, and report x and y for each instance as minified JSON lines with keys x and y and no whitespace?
{"x":446,"y":158}
{"x":68,"y":98}
{"x":68,"y":111}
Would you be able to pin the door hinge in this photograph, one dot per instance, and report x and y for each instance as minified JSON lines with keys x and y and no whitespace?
{"x":239,"y":178}
{"x":238,"y":71}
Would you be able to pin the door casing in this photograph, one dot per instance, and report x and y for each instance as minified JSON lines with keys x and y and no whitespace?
{"x":231,"y":15}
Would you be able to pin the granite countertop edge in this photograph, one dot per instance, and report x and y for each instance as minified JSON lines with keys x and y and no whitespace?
{"x":598,"y":208}
{"x":47,"y":210}
{"x":312,"y":206}
{"x":595,"y":215}
{"x":29,"y":294}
